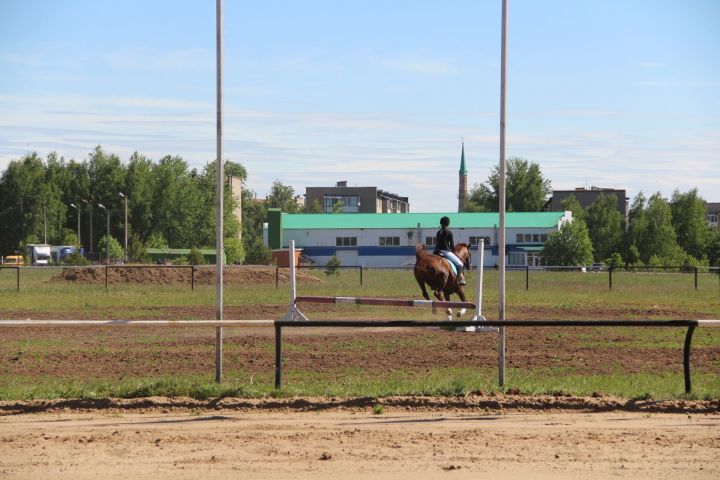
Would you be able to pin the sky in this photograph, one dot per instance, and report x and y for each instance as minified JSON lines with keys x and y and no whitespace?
{"x":612,"y":93}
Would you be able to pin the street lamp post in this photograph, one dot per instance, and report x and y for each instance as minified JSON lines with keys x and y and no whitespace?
{"x":125,"y":257}
{"x":91,"y":233}
{"x":78,"y":215}
{"x":107,"y":235}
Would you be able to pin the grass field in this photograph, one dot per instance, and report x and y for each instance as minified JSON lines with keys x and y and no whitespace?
{"x":634,"y":363}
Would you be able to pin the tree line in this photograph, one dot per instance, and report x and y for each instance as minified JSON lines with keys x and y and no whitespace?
{"x":169,"y":204}
{"x":173,"y":205}
{"x":657,"y":232}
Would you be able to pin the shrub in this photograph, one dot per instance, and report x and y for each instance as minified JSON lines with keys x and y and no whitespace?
{"x":116,"y":250}
{"x":332,"y":267}
{"x":195,"y":257}
{"x":234,"y":251}
{"x":76,"y":259}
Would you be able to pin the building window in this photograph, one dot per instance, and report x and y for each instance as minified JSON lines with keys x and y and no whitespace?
{"x":346,"y":241}
{"x":476,"y":240}
{"x":536,"y":237}
{"x":516,"y":258}
{"x":389,"y":241}
{"x":528,"y":238}
{"x":712,"y":218}
{"x":519,"y":238}
{"x":543,"y":237}
{"x":348,"y":203}
{"x":430,"y":241}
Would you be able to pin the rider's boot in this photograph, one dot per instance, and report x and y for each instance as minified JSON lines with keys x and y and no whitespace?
{"x":461,"y":278}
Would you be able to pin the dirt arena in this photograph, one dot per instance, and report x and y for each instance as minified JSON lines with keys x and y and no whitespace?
{"x":503,"y":438}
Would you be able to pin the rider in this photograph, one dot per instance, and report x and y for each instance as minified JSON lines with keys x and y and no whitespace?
{"x":445,"y":247}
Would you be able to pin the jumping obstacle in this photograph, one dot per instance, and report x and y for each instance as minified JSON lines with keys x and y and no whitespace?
{"x":295,"y":314}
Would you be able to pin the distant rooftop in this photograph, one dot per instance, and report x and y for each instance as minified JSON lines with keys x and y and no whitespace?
{"x":426,"y":220}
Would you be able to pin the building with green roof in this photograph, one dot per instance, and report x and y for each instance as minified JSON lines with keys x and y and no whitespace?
{"x":389,"y":239}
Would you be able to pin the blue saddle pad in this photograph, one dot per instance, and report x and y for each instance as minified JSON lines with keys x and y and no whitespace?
{"x":452,"y":266}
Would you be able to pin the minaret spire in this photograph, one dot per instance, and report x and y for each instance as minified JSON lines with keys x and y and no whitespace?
{"x":462,"y":180}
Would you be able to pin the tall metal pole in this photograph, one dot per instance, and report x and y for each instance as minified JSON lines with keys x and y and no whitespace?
{"x":77,"y":207}
{"x":501,"y":246}
{"x":107,"y":239}
{"x":91,"y":222}
{"x":45,"y":224}
{"x":125,"y":257}
{"x":219,"y":194}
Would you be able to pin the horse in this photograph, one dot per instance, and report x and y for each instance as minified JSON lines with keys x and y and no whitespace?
{"x":436,"y":272}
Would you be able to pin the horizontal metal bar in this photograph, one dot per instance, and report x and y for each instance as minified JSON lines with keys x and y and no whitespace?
{"x":134,"y":323}
{"x":387,"y":302}
{"x":487,"y":323}
{"x":359,"y":323}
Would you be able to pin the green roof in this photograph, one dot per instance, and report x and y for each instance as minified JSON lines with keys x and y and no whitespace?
{"x":313,"y":221}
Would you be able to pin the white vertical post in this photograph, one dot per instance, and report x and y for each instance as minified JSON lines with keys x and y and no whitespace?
{"x":293,"y":286}
{"x":501,"y":246}
{"x":479,"y":298}
{"x":219,"y":193}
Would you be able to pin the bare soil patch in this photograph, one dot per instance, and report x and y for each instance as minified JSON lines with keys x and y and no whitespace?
{"x":119,"y":353}
{"x":174,"y":275}
{"x":354,"y":443}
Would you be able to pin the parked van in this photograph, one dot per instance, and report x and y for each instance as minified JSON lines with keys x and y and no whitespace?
{"x":13,"y":261}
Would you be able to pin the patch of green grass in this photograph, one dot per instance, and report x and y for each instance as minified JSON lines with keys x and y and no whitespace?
{"x":357,"y":382}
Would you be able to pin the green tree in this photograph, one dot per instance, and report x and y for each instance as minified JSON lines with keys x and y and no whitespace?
{"x":605,"y":224}
{"x":258,"y":253}
{"x":571,"y":204}
{"x":526,"y":189}
{"x":659,"y":238}
{"x":254,"y":214}
{"x":338,"y":207}
{"x":156,"y":240}
{"x":570,"y":245}
{"x":136,"y":248}
{"x":107,"y":178}
{"x":282,"y":197}
{"x":116,"y":250}
{"x":315,"y":207}
{"x":714,"y":249}
{"x":689,"y":213}
{"x":234,"y":251}
{"x":140,"y":191}
{"x":196,"y":257}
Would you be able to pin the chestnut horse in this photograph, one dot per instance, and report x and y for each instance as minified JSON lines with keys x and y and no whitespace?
{"x":436,"y":272}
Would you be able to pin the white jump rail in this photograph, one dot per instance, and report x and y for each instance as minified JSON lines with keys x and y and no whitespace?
{"x":135,"y":323}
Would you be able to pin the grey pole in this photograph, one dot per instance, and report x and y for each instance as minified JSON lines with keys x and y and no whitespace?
{"x":77,"y":207}
{"x":125,"y":257}
{"x":91,"y":232}
{"x":107,"y":236}
{"x":45,"y":224}
{"x":219,"y":193}
{"x":501,"y":246}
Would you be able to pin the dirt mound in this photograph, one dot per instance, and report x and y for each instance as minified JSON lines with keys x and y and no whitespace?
{"x":493,"y":403}
{"x":178,"y":275}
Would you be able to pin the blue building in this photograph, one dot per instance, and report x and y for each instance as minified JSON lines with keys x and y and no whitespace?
{"x":389,"y":239}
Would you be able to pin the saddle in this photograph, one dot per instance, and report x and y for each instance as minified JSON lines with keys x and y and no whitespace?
{"x":452,"y":265}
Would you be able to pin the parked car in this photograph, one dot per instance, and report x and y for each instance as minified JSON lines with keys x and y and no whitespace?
{"x":13,"y":261}
{"x":597,"y":267}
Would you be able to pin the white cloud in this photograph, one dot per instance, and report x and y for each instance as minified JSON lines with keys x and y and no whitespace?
{"x":401,"y":152}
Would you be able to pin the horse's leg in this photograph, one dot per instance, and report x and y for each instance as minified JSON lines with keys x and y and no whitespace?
{"x":424,"y":291}
{"x":461,"y":294}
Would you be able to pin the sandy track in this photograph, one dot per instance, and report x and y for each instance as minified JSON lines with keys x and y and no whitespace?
{"x":352,"y":444}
